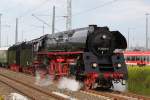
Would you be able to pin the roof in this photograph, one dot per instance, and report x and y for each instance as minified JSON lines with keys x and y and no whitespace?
{"x":137,"y":53}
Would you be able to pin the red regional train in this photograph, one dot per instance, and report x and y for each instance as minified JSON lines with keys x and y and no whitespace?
{"x":140,"y":58}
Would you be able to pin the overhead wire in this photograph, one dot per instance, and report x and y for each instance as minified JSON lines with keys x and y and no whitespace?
{"x":33,"y":9}
{"x":43,"y":21}
{"x":76,"y":14}
{"x":94,"y":8}
{"x":87,"y":10}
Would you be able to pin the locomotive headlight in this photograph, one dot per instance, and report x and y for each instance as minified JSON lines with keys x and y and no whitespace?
{"x":94,"y":65}
{"x":104,"y":36}
{"x":119,"y":65}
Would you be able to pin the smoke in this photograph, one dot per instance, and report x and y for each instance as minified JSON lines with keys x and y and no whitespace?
{"x":69,"y":84}
{"x":119,"y":87}
{"x":45,"y":80}
{"x":42,"y":79}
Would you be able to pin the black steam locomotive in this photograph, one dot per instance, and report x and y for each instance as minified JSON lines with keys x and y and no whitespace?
{"x":92,"y":55}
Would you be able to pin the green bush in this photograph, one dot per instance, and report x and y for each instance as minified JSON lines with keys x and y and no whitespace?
{"x":139,"y":80}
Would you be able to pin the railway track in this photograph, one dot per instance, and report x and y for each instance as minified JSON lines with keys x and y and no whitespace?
{"x":116,"y":95}
{"x":29,"y":91}
{"x":79,"y":95}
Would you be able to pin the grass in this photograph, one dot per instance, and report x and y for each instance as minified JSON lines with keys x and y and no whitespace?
{"x":139,"y":80}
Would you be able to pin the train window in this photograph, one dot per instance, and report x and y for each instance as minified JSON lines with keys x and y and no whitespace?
{"x":141,"y":58}
{"x":70,"y":34}
{"x":36,"y":46}
{"x":147,"y":58}
{"x":137,"y":57}
{"x":133,"y":58}
{"x":60,"y":37}
{"x":144,"y":58}
{"x":128,"y":58}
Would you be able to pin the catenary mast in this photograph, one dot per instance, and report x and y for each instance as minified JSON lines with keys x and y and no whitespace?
{"x":69,"y":15}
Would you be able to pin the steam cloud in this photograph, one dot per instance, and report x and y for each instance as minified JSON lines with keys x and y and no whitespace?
{"x":69,"y":84}
{"x":63,"y":83}
{"x":46,"y":81}
{"x":120,"y":87}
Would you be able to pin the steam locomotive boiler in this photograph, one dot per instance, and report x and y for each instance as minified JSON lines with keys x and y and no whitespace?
{"x":89,"y":54}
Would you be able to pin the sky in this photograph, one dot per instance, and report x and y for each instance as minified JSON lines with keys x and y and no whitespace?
{"x":121,"y":15}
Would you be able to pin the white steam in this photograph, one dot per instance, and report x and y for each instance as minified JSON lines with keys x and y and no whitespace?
{"x":119,"y":87}
{"x":69,"y":84}
{"x":46,"y":81}
{"x":63,"y":83}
